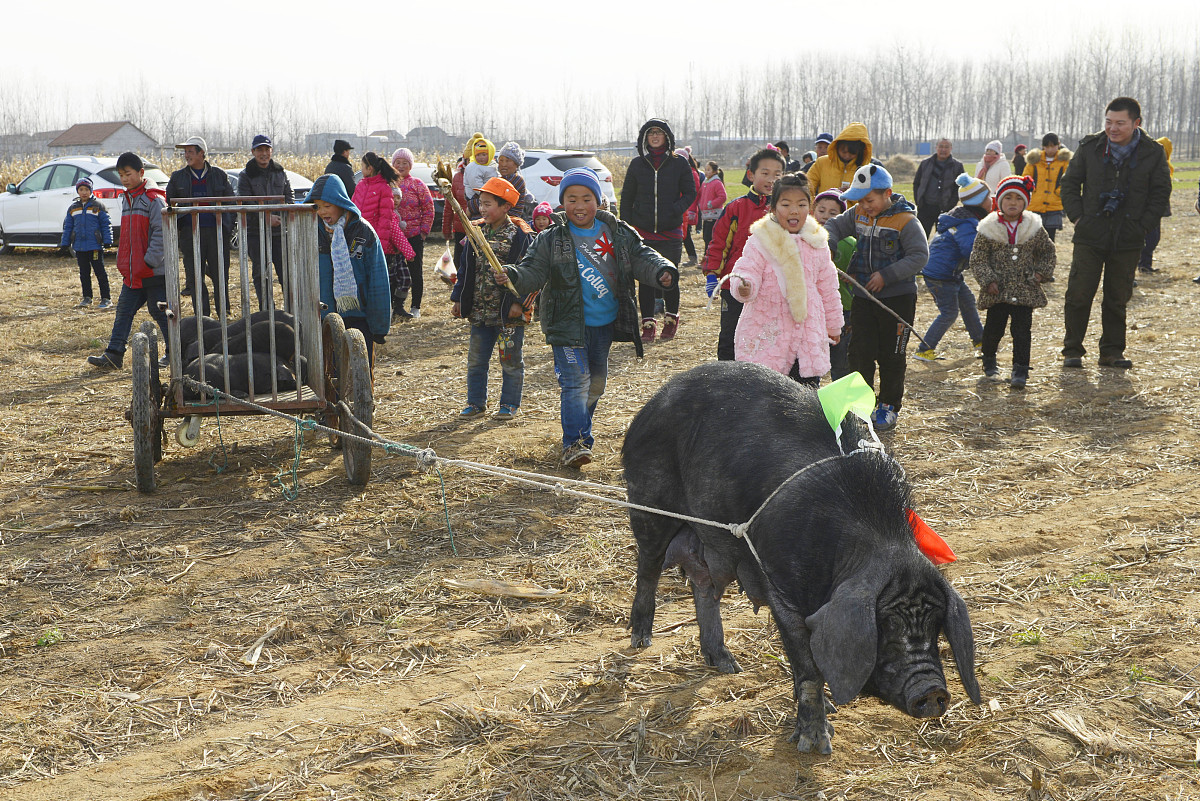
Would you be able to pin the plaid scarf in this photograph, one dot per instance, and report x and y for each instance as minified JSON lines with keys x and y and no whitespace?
{"x":1118,"y":153}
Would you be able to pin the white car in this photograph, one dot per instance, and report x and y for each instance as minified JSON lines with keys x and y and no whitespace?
{"x":32,"y":212}
{"x":543,"y":171}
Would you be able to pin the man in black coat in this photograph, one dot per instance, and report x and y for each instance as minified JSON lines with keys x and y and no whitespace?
{"x":201,"y":179}
{"x":934,"y":189}
{"x":339,"y":165}
{"x":264,"y":177}
{"x":1116,"y":188}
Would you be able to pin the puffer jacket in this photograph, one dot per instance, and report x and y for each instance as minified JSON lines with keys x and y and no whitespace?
{"x":1047,"y":179}
{"x":550,"y":262}
{"x":373,"y":198}
{"x":258,"y":182}
{"x":416,"y":207}
{"x":950,"y":248}
{"x":140,"y":253}
{"x":1012,"y":267}
{"x":656,"y":200}
{"x":731,"y":231}
{"x":1144,"y":179}
{"x":892,"y":244}
{"x":711,"y":201}
{"x":829,"y":171}
{"x":87,"y":226}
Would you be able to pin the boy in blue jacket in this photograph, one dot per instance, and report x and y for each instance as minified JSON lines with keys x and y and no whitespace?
{"x":949,"y":252}
{"x":88,"y":230}
{"x":352,"y":270}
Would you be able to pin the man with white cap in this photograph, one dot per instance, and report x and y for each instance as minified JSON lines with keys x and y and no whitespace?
{"x":198,"y":178}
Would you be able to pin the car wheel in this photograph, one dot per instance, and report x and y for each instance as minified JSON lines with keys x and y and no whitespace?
{"x":5,"y":248}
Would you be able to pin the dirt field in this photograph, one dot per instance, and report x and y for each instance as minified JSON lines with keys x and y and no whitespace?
{"x":126,"y":620}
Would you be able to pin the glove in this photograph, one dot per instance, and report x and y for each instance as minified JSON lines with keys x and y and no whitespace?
{"x":710,"y":284}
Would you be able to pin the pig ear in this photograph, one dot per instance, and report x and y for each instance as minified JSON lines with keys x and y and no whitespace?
{"x":962,"y":641}
{"x":844,"y":639}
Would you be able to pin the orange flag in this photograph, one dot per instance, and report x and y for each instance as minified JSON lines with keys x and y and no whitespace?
{"x":929,"y":542}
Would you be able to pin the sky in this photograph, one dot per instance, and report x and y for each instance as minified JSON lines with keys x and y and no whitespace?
{"x":430,"y":46}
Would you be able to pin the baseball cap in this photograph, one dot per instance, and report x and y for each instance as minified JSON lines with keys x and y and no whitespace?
{"x":193,"y":141}
{"x":261,"y":139}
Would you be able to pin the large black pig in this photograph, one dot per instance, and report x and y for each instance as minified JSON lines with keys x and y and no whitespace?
{"x":239,"y":374}
{"x":856,"y":603}
{"x":260,"y":341}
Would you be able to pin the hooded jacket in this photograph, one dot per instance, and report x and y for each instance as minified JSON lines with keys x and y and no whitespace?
{"x":340,"y":166}
{"x":654,"y":201}
{"x":86,"y":226}
{"x":951,"y":245}
{"x":1047,"y":179}
{"x":550,"y":262}
{"x":829,"y":171}
{"x":1012,"y":267}
{"x":366,"y":257}
{"x":1143,"y":178}
{"x":892,"y":244}
{"x":140,"y":252}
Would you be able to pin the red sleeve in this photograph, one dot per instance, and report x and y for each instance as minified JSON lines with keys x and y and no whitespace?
{"x":425,"y":203}
{"x":718,"y":246}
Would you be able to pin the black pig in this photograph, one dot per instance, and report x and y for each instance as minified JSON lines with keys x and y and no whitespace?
{"x":856,"y":603}
{"x":239,"y":379}
{"x":260,"y":339}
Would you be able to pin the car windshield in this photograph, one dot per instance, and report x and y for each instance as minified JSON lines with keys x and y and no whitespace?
{"x":570,"y":162}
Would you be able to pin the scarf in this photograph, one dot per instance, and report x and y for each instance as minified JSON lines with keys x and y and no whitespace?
{"x":785,"y":252}
{"x":657,"y":155}
{"x":345,"y":289}
{"x":1012,"y":227}
{"x":1118,"y":153}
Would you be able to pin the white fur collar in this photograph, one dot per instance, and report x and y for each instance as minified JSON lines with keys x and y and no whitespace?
{"x":991,"y":227}
{"x":784,"y":251}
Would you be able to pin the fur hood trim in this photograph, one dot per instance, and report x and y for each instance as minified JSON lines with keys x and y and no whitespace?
{"x":1035,"y":156}
{"x":991,"y":227}
{"x":786,"y":260}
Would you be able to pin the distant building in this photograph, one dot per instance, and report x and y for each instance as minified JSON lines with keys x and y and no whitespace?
{"x":322,"y":143}
{"x":102,"y":139}
{"x":432,"y":139}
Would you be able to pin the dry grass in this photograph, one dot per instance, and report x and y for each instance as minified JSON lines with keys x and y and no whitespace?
{"x":213,"y":641}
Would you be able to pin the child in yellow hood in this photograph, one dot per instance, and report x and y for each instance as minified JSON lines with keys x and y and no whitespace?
{"x":479,"y":167}
{"x":849,"y":151}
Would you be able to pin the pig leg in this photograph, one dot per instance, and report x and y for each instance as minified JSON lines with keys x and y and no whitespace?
{"x":813,"y":731}
{"x":687,"y":552}
{"x":653,"y":534}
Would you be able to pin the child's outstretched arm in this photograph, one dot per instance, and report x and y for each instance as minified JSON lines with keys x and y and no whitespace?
{"x":745,"y":279}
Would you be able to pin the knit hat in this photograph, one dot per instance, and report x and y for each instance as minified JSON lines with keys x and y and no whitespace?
{"x":831,"y":194}
{"x":542,"y":210}
{"x":503,"y":190}
{"x":513,"y":151}
{"x":867,"y":178}
{"x":1021,"y":184}
{"x":580,"y":176}
{"x":995,"y":145}
{"x":403,"y":153}
{"x":971,"y":191}
{"x":827,"y":138}
{"x":1020,"y":148}
{"x":84,"y":181}
{"x":397,"y":192}
{"x":260,"y":140}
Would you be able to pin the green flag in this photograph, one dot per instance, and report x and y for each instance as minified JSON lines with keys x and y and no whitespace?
{"x":848,"y":394}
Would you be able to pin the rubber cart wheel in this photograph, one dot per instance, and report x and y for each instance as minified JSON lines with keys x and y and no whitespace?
{"x":142,"y":414}
{"x":333,"y":339}
{"x":354,"y":372}
{"x":156,"y":388}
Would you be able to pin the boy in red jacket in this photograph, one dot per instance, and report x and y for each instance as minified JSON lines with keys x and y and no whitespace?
{"x":730,"y":234}
{"x":139,"y":258}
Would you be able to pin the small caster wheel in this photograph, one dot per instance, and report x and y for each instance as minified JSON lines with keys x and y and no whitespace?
{"x":187,"y":433}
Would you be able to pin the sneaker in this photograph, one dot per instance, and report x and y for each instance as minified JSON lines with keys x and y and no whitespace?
{"x":670,"y":325}
{"x":648,"y":328}
{"x":106,"y":361}
{"x":84,"y":302}
{"x":884,"y":418}
{"x":415,"y":311}
{"x":471,"y":410}
{"x":928,"y":355}
{"x":577,"y":455}
{"x":1119,"y":362}
{"x":505,"y":412}
{"x":401,"y":314}
{"x":105,"y":303}
{"x":1073,"y":362}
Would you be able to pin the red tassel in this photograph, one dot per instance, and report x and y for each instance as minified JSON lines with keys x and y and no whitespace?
{"x":933,"y":546}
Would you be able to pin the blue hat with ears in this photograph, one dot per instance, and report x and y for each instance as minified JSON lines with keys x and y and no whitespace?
{"x":581,"y":176}
{"x":866,"y":179}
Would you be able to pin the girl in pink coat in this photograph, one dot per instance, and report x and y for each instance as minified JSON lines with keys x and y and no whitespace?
{"x":789,"y":286}
{"x":373,"y":194}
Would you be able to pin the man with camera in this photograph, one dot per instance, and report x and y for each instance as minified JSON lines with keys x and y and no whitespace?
{"x":1115,"y":189}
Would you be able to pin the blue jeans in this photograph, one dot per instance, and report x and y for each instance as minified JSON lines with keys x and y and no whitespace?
{"x":127,"y":307}
{"x":952,"y":297}
{"x":582,"y":374}
{"x":483,"y":342}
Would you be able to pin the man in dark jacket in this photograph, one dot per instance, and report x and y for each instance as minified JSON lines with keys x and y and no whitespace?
{"x":339,"y":165}
{"x":934,"y":188}
{"x":264,"y":177}
{"x":659,"y":188}
{"x":1116,"y":188}
{"x":200,"y":179}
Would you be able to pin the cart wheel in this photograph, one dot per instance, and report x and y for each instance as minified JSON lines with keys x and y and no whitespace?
{"x":187,"y":433}
{"x":156,"y":389}
{"x":333,"y":339}
{"x":354,"y":375}
{"x":142,"y":414}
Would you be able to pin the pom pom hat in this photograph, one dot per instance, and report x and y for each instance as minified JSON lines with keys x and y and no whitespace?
{"x":1021,"y":184}
{"x":867,"y":178}
{"x":971,"y":191}
{"x":542,"y":210}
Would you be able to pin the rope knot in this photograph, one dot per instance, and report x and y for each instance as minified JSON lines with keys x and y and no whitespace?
{"x":427,"y":459}
{"x":739,"y":529}
{"x":307,"y":425}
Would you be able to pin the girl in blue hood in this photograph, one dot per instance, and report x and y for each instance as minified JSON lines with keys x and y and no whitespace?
{"x":352,"y":269}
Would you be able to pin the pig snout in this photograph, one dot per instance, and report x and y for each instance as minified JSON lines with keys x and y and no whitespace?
{"x":932,"y":703}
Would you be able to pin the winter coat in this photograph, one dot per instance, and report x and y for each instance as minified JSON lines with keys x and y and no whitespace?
{"x":1168,"y":147}
{"x":510,"y":249}
{"x":366,"y":257}
{"x":86,"y":226}
{"x":711,"y":200}
{"x":892,"y":244}
{"x":341,"y":167}
{"x":416,"y":207}
{"x":258,"y":182}
{"x":1018,"y":164}
{"x":829,"y":171}
{"x":693,"y":212}
{"x":218,"y":185}
{"x":731,"y":231}
{"x":950,"y":248}
{"x":1047,"y":179}
{"x":1011,"y":267}
{"x":1144,"y":179}
{"x":140,"y":253}
{"x":655,"y":200}
{"x":373,"y":199}
{"x":1000,"y":169}
{"x":551,"y":263}
{"x":924,"y":182}
{"x":794,"y":304}
{"x":394,"y":241}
